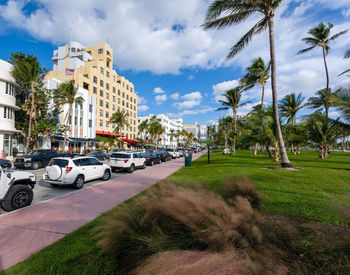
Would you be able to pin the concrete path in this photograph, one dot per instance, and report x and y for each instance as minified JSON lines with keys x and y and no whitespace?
{"x":28,"y":230}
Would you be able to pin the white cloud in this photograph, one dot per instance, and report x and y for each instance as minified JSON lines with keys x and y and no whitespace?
{"x":189,"y":100}
{"x":191,"y":112}
{"x":158,"y":90}
{"x":141,"y":100}
{"x":175,"y":96}
{"x":160,"y":99}
{"x":346,"y":12}
{"x":142,"y":108}
{"x":220,"y":88}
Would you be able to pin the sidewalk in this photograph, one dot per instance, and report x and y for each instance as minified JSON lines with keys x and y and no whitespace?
{"x":26,"y":231}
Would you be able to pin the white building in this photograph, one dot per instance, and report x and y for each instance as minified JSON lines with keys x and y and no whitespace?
{"x":7,"y":110}
{"x":168,"y":124}
{"x":82,"y":131}
{"x":195,"y":129}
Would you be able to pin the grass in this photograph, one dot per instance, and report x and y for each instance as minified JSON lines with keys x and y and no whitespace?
{"x":316,"y":193}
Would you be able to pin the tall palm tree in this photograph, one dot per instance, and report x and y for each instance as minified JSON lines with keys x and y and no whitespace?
{"x":120,"y":119}
{"x":235,"y":12}
{"x":28,"y":74}
{"x":172,"y":134}
{"x":257,"y":74}
{"x":232,"y":101}
{"x":67,"y":93}
{"x":322,"y":99}
{"x":320,"y":37}
{"x":155,"y":129}
{"x":143,"y":128}
{"x":289,"y":106}
{"x":178,"y":137}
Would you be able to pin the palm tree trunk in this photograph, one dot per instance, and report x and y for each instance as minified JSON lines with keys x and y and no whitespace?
{"x":255,"y":149}
{"x":276,"y":159}
{"x":234,"y":129}
{"x":65,"y":130}
{"x":327,"y":77}
{"x":285,"y":161}
{"x":262,"y":96}
{"x":28,"y":138}
{"x":268,"y":151}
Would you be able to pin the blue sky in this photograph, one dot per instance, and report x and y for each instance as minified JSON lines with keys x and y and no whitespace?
{"x":178,"y":68}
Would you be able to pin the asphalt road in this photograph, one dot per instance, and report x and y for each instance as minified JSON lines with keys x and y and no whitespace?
{"x":44,"y":191}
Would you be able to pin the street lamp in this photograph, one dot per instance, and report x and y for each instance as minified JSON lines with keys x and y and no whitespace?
{"x":208,"y":141}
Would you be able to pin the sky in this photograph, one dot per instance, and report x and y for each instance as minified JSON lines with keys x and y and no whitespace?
{"x":177,"y":67}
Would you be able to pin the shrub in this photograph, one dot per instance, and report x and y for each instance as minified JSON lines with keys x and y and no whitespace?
{"x":232,"y":188}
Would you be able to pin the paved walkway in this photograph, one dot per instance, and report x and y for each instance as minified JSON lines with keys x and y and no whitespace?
{"x":30,"y":229}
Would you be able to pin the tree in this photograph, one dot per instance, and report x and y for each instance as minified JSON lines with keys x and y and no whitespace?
{"x":155,"y":129}
{"x":322,"y":100}
{"x":120,"y":119}
{"x":320,"y":37}
{"x":67,"y":93}
{"x":178,"y":137}
{"x":28,"y":74}
{"x":172,"y":134}
{"x":257,"y":74}
{"x":290,"y":105}
{"x":143,"y":128}
{"x":232,"y":101}
{"x":235,"y":12}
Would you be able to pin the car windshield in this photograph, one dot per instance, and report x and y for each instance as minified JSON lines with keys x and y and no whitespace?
{"x":34,"y":153}
{"x":59,"y":162}
{"x":146,"y":155}
{"x":170,"y":150}
{"x":120,"y":156}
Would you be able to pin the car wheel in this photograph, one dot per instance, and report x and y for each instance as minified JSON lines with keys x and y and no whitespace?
{"x":79,"y":182}
{"x":19,"y":196}
{"x":131,"y":168}
{"x":36,"y":165}
{"x":152,"y":163}
{"x":106,"y":175}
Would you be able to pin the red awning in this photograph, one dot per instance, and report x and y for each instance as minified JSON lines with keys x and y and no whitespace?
{"x":108,"y":134}
{"x":129,"y":140}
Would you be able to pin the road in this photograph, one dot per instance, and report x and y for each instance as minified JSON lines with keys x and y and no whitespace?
{"x":44,"y":191}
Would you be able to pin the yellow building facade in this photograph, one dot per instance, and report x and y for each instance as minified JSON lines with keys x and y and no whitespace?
{"x":91,"y":68}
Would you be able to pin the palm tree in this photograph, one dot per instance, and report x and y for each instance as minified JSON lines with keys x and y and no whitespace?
{"x":320,"y":37}
{"x":235,"y":12}
{"x":143,"y":127}
{"x":346,"y":56}
{"x":155,"y":129}
{"x":67,"y":93}
{"x":28,"y":74}
{"x":172,"y":134}
{"x":289,"y":106}
{"x":178,"y":137}
{"x":257,"y":74}
{"x":322,"y":99}
{"x":232,"y":98}
{"x":120,"y":119}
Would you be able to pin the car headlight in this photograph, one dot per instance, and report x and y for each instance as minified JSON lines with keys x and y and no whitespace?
{"x":32,"y":178}
{"x":27,"y":159}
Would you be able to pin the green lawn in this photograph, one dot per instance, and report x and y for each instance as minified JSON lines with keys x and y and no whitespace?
{"x":316,"y":192}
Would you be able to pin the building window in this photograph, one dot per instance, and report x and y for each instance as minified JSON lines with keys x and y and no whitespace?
{"x":107,"y":114}
{"x":108,"y":53}
{"x":94,"y":90}
{"x":107,"y":74}
{"x":130,"y":106}
{"x":100,"y":51}
{"x":76,"y":121}
{"x":135,"y":100}
{"x":101,"y":102}
{"x":123,"y":103}
{"x":107,"y":95}
{"x":127,"y":87}
{"x":127,"y":97}
{"x":123,"y":94}
{"x":81,"y":121}
{"x":113,"y":90}
{"x":101,"y":83}
{"x":5,"y":112}
{"x":95,"y":79}
{"x":90,"y":108}
{"x":127,"y":104}
{"x":101,"y":92}
{"x":113,"y":98}
{"x":113,"y":107}
{"x":7,"y":88}
{"x":101,"y":112}
{"x":107,"y":105}
{"x":131,"y":89}
{"x":85,"y":86}
{"x":107,"y":86}
{"x":113,"y":125}
{"x":8,"y":141}
{"x":107,"y":124}
{"x":119,"y":92}
{"x":90,"y":123}
{"x":134,"y":108}
{"x":118,"y":100}
{"x":102,"y":71}
{"x":118,"y":108}
{"x":107,"y":63}
{"x":101,"y":123}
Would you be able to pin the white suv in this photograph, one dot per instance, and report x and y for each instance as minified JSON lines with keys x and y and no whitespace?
{"x":127,"y":161}
{"x":75,"y":171}
{"x":174,"y":154}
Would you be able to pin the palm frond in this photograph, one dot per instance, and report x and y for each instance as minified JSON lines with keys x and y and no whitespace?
{"x":306,"y":50}
{"x":347,"y":54}
{"x":346,"y":71}
{"x":338,"y":34}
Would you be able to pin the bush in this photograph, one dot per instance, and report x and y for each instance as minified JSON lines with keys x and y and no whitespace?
{"x":232,"y":188}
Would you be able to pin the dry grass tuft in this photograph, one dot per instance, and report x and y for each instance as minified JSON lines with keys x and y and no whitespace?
{"x":232,"y":188}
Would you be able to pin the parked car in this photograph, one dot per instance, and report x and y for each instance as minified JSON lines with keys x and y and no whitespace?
{"x":36,"y":159}
{"x":99,"y":155}
{"x":164,"y":155}
{"x":5,"y":163}
{"x":151,"y":158}
{"x":75,"y":171}
{"x":127,"y":161}
{"x":174,"y":154}
{"x":16,"y":189}
{"x":180,"y":152}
